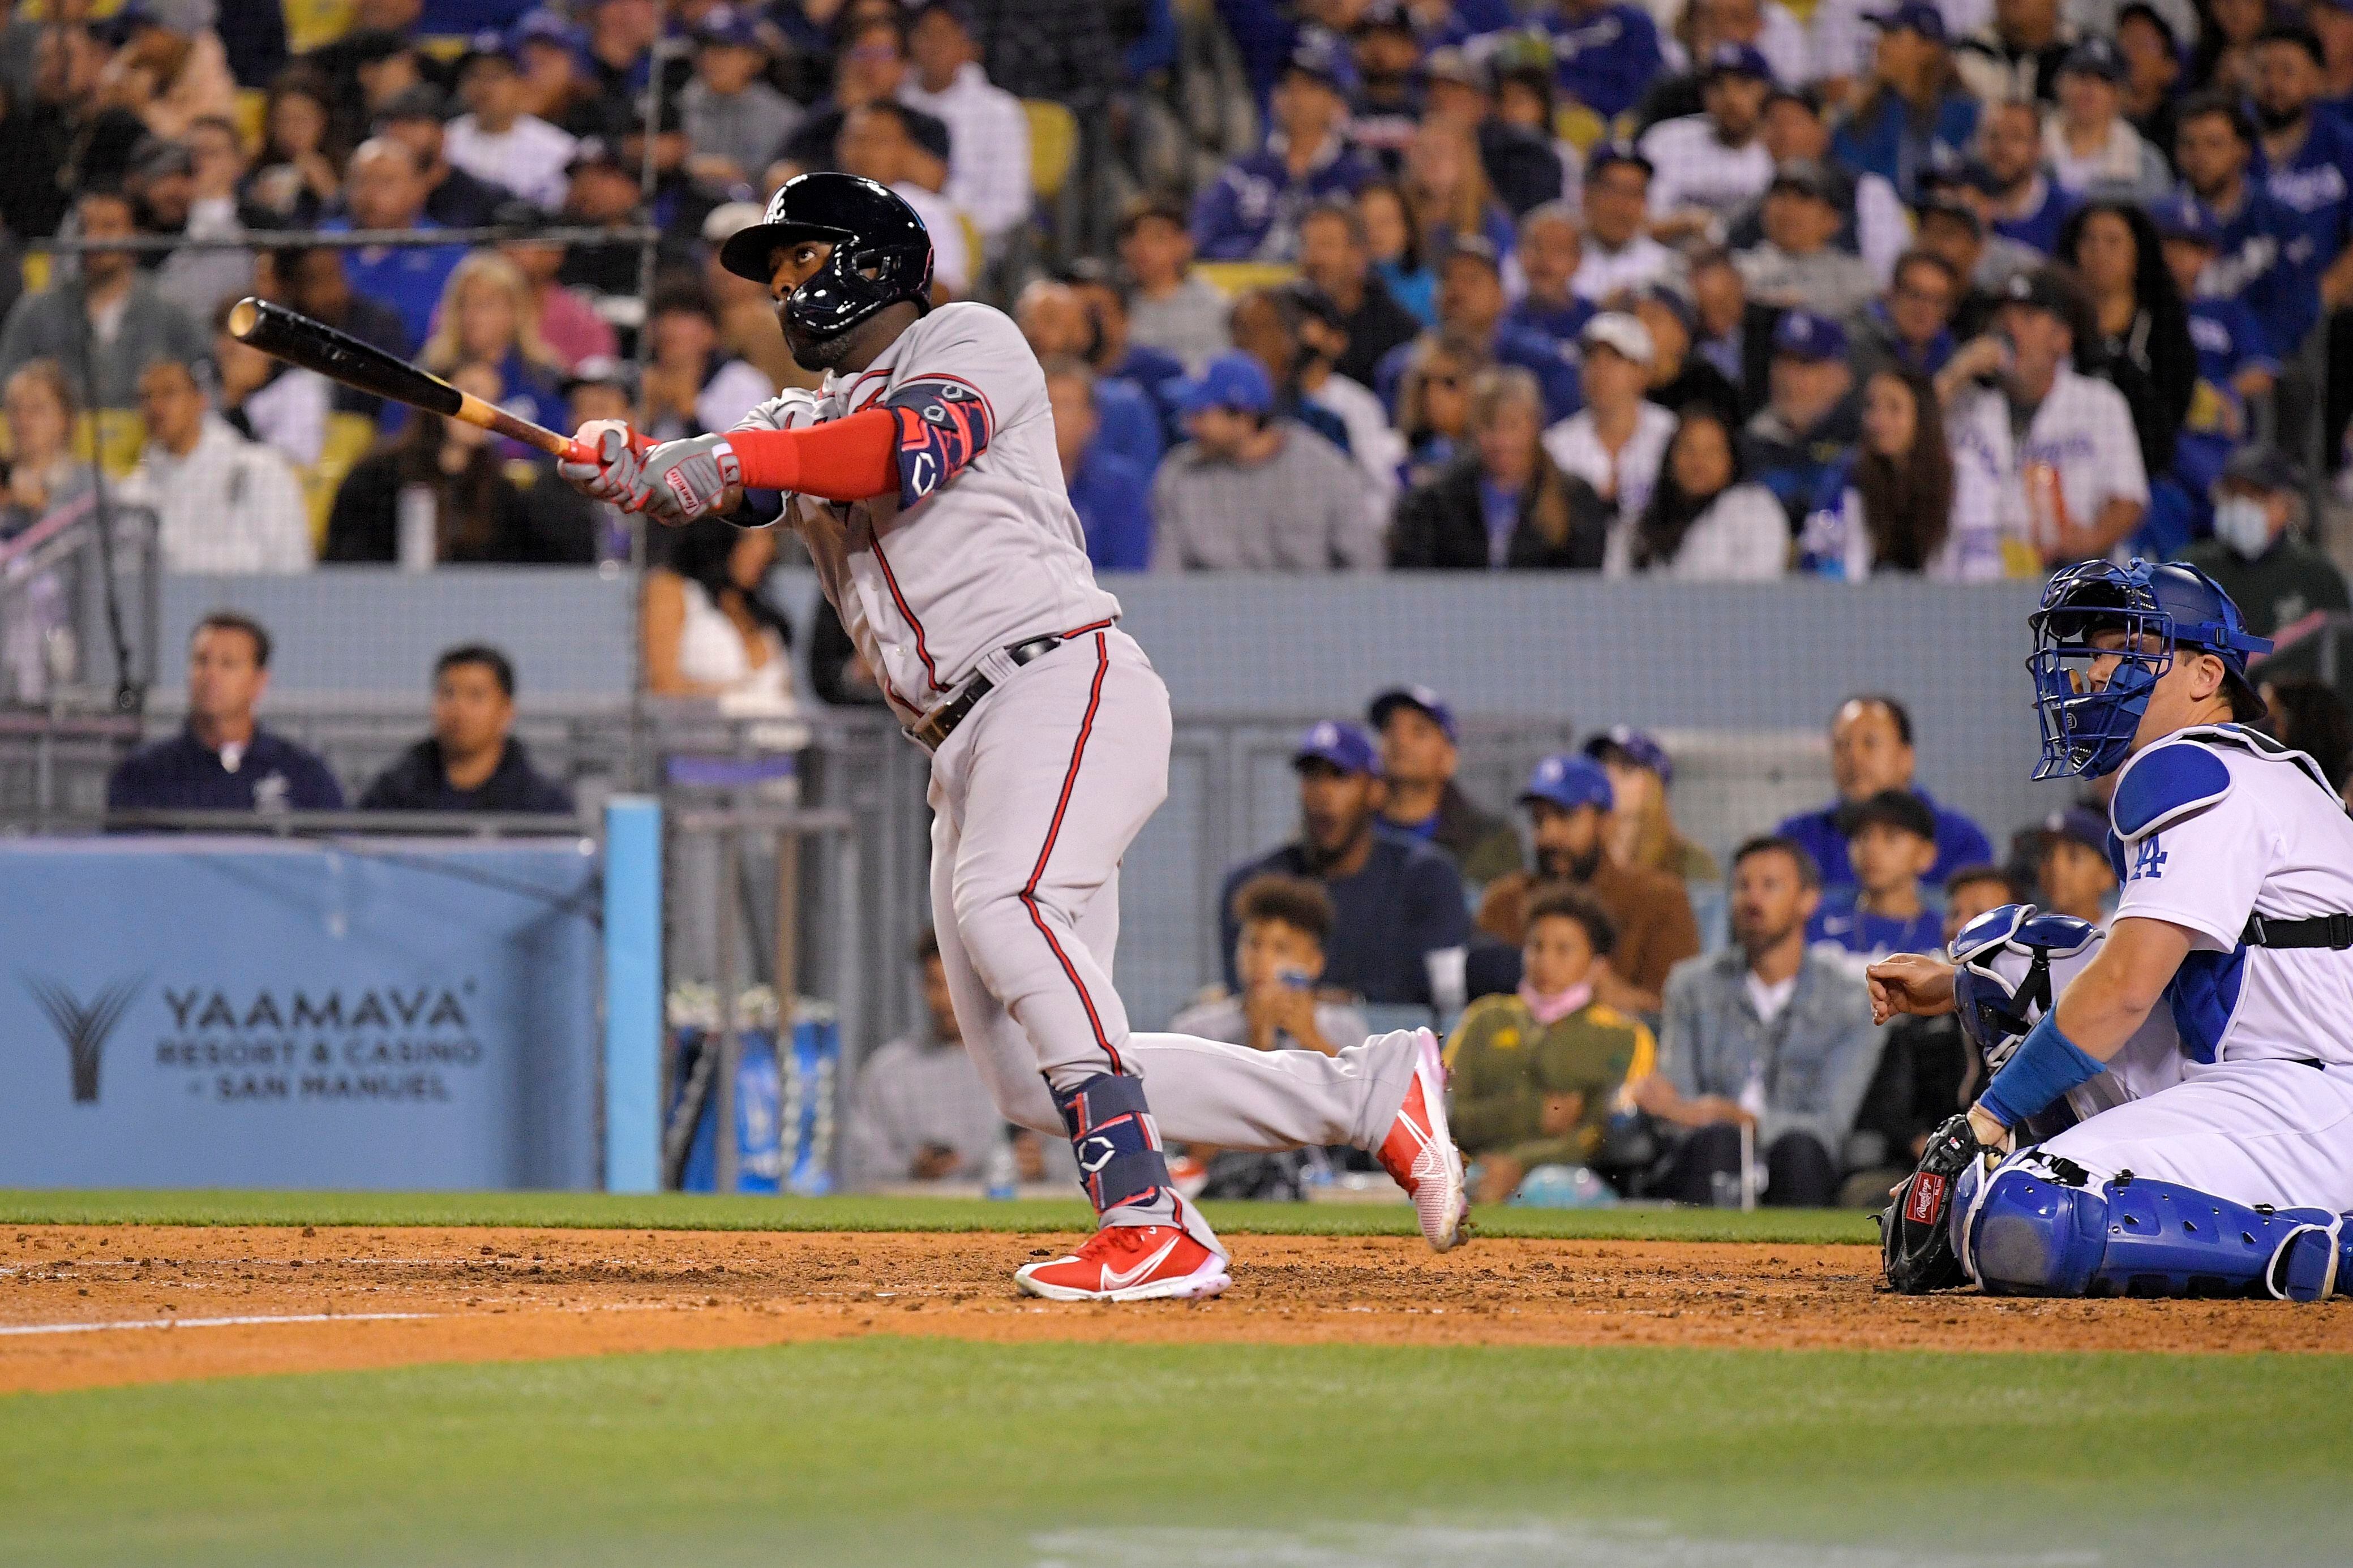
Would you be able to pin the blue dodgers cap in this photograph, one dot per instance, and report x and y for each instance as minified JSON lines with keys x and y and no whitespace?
{"x":1233,"y":381}
{"x":1340,"y":744}
{"x":1569,"y":782}
{"x":1920,"y":16}
{"x":2095,"y":55}
{"x":1637,"y":746}
{"x":729,"y":27}
{"x":1737,"y":60}
{"x":1430,"y":705}
{"x":1801,"y":334}
{"x":1325,"y":61}
{"x":2084,"y":825}
{"x":542,"y":26}
{"x":2183,"y":218}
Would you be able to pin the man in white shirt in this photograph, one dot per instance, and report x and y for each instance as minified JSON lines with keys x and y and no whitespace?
{"x":1711,"y":165}
{"x":2056,"y":449}
{"x":1619,"y":257}
{"x":988,"y":130}
{"x":495,"y":139}
{"x":1616,"y":442}
{"x":221,"y":503}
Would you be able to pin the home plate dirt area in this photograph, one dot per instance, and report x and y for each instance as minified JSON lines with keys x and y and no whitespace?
{"x":88,"y":1305}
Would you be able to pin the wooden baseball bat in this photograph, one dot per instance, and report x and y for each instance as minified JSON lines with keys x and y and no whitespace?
{"x":298,"y":339}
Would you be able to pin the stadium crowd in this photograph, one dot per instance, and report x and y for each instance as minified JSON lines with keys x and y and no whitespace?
{"x":1717,"y":288}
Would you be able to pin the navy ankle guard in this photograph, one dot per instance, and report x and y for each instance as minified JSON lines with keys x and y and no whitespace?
{"x":1116,"y":1142}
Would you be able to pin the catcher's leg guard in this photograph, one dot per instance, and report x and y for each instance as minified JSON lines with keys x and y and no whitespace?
{"x":2036,"y":1227}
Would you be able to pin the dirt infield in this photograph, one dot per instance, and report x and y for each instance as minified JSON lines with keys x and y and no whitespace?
{"x":92,"y":1305}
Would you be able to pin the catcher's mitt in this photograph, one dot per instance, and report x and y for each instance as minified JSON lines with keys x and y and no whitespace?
{"x":1916,"y":1242}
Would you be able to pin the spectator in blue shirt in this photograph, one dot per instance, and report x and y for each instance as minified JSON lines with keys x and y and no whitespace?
{"x":1915,"y":116}
{"x":1891,"y":843}
{"x":223,"y":761}
{"x":1551,"y":250}
{"x":1471,"y":311}
{"x":2263,"y":251}
{"x":1811,"y":420}
{"x":2022,"y":201}
{"x":383,"y":188}
{"x":1871,"y":751}
{"x":2236,"y":366}
{"x":1608,"y":54}
{"x":1054,"y":321}
{"x":1252,"y":210}
{"x":1399,"y":919}
{"x":2305,"y":153}
{"x":1111,"y":492}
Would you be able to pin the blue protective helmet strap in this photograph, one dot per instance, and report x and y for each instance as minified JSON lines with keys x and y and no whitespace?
{"x":2046,"y":1065}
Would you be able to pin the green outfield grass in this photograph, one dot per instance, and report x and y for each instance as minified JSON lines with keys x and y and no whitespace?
{"x":675,"y":1211}
{"x":916,"y":1451}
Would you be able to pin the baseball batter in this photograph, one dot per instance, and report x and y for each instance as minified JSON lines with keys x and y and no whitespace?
{"x":2237,"y":913}
{"x":923,"y":478}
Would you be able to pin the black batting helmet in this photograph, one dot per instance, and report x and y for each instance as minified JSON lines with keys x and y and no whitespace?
{"x":881,"y":252}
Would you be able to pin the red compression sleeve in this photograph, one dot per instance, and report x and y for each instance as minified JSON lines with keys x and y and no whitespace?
{"x":844,"y":460}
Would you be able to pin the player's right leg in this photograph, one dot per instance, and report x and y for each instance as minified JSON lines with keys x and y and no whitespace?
{"x":2235,"y":1181}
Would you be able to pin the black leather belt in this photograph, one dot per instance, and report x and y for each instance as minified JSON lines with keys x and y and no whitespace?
{"x":2320,"y":931}
{"x":931,"y":731}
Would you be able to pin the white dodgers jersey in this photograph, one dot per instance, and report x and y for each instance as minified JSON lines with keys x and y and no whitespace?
{"x":980,"y":547}
{"x":2217,"y":824}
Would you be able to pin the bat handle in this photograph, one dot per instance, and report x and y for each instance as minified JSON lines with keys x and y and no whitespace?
{"x":577,"y":452}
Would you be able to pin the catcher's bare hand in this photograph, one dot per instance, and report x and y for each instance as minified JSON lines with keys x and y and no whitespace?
{"x":1914,"y":982}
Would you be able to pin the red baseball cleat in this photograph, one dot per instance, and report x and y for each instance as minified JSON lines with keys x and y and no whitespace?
{"x":1130,"y":1263}
{"x":1420,"y":1151}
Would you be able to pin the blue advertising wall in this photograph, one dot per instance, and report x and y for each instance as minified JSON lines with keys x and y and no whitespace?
{"x":202,"y":1011}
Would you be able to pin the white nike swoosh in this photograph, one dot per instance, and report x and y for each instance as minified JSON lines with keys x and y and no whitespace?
{"x":1111,"y":1281}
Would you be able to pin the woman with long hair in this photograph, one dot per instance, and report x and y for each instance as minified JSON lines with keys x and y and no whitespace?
{"x":298,"y":172}
{"x":1704,"y":523}
{"x":43,"y":475}
{"x":1433,"y":405}
{"x":1502,"y":502}
{"x":1899,"y":503}
{"x":1399,"y":256}
{"x":2140,"y":328}
{"x":1446,"y":188}
{"x":478,"y":515}
{"x":710,"y":629}
{"x":488,"y":316}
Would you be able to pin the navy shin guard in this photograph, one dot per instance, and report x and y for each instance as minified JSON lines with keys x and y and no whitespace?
{"x":2040,"y":1227}
{"x":1117,"y":1144}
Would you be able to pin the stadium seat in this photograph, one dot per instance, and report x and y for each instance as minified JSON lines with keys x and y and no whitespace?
{"x":349,"y":438}
{"x":310,"y":22}
{"x":36,"y":271}
{"x":252,"y":108}
{"x":1578,"y":126}
{"x":1241,"y":277}
{"x":1053,"y":146}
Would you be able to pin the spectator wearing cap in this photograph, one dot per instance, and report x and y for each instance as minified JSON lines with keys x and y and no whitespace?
{"x":989,"y":132}
{"x":1908,"y":327}
{"x":870,"y":66}
{"x":1500,"y":502}
{"x":1109,"y":492}
{"x":735,"y":119}
{"x":2056,"y":447}
{"x":1679,"y":377}
{"x":1470,"y":312}
{"x":1399,"y":920}
{"x":2153,"y":67}
{"x":1952,"y":228}
{"x":1172,"y":307}
{"x":1616,"y":441}
{"x":2018,"y":199}
{"x":384,"y":187}
{"x":2091,"y":148}
{"x":1569,"y":802}
{"x":1389,"y":101}
{"x":1336,"y":256}
{"x":558,"y":78}
{"x":472,"y":762}
{"x":1251,"y":211}
{"x":1642,"y":830}
{"x":1871,"y":219}
{"x":1421,"y":800}
{"x":2257,"y":553}
{"x":1550,"y":252}
{"x":2072,"y":874}
{"x":495,"y":139}
{"x":1322,"y":341}
{"x":2015,"y":54}
{"x":1251,"y":491}
{"x":453,"y":198}
{"x":1871,"y":751}
{"x":1705,"y":522}
{"x":2237,"y":365}
{"x":1796,"y":264}
{"x":1053,"y":320}
{"x":1915,"y":115}
{"x":1618,"y":253}
{"x":1809,"y":422}
{"x":1710,"y":165}
{"x":1608,"y":52}
{"x":1890,"y":842}
{"x":2259,"y":257}
{"x":1766,"y":1035}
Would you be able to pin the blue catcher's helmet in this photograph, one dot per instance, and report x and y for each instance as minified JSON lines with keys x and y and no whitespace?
{"x":2146,"y":610}
{"x":2001,"y":974}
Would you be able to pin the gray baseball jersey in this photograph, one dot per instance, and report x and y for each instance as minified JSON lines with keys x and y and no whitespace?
{"x":927,"y":583}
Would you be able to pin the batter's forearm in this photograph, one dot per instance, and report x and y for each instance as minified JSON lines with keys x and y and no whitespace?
{"x":843,"y":461}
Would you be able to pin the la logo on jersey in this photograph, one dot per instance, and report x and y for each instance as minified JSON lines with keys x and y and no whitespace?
{"x":2148,"y":862}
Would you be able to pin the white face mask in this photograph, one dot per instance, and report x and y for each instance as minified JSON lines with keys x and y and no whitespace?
{"x":2244,"y":524}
